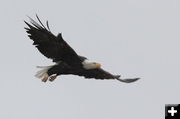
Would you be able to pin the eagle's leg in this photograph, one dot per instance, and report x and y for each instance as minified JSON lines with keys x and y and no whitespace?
{"x":52,"y":77}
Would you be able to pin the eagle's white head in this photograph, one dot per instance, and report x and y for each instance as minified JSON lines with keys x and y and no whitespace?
{"x":90,"y":65}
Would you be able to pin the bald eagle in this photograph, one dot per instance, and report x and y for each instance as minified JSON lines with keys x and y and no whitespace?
{"x":67,"y":61}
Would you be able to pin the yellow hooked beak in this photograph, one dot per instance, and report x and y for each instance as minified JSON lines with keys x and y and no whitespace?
{"x":98,"y":65}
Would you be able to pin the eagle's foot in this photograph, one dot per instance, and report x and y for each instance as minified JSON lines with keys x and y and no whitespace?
{"x":52,"y":77}
{"x":129,"y":80}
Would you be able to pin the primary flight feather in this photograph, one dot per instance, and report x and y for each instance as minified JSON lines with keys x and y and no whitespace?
{"x":66,"y":59}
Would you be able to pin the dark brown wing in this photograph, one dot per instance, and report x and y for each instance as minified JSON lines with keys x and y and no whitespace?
{"x":102,"y":74}
{"x":51,"y":46}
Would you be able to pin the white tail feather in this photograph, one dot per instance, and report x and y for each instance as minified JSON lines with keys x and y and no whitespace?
{"x":43,"y":72}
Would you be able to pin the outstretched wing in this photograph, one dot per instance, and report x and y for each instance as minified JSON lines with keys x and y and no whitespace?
{"x":102,"y":74}
{"x":49,"y":45}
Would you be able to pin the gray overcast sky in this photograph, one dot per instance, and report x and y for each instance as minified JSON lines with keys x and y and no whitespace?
{"x":134,"y":38}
